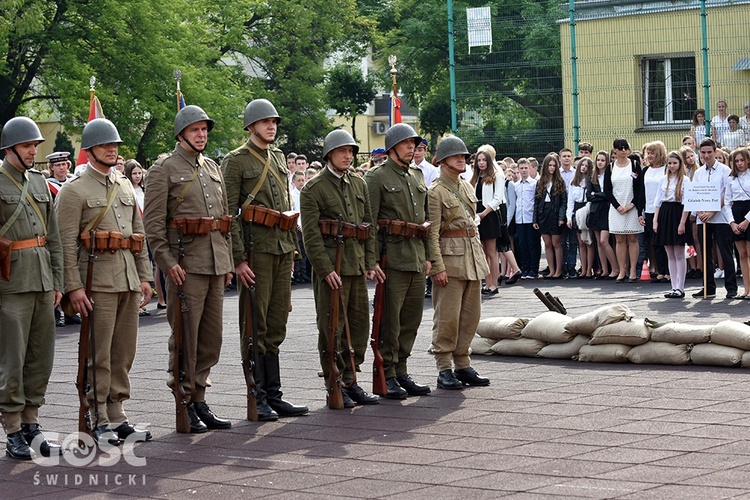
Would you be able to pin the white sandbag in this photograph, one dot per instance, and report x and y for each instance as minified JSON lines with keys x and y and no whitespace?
{"x":716,"y":355}
{"x":518,"y":347}
{"x":660,"y":353}
{"x":609,"y":353}
{"x":745,"y":363}
{"x":624,"y":332}
{"x":732,"y":334}
{"x":481,"y":345}
{"x":585,"y":324}
{"x":501,"y":328}
{"x":549,"y":327}
{"x":568,"y":350}
{"x":681,"y":333}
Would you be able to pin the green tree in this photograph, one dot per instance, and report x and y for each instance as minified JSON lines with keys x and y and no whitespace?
{"x":63,"y":143}
{"x":349,"y":92}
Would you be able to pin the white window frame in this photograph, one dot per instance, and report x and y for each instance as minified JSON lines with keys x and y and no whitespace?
{"x":668,"y":97}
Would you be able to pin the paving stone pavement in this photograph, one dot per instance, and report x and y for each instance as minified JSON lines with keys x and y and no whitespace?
{"x":543,"y":429}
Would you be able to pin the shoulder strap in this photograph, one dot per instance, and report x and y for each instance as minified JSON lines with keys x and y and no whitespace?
{"x":25,"y":194}
{"x":267,"y":168}
{"x":110,"y":201}
{"x":181,"y":196}
{"x":9,"y":223}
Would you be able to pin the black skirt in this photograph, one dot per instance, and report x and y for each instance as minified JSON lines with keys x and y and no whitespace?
{"x":669,"y":220}
{"x":548,"y":221}
{"x":598,"y":219}
{"x":739,"y":210}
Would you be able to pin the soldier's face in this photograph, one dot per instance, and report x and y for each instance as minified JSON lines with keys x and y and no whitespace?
{"x":106,"y":153}
{"x":197,"y":134}
{"x":26,"y":153}
{"x":405,"y":150}
{"x":454,"y":165}
{"x":265,"y":130}
{"x":340,"y":159}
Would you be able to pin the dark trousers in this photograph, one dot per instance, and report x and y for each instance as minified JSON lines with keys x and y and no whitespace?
{"x":528,"y":248}
{"x":570,"y":248}
{"x":722,"y":235}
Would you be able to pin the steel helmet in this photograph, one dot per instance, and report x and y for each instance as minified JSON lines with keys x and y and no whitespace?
{"x":450,"y":146}
{"x":189,"y":115}
{"x":400,"y":132}
{"x":336,"y":139}
{"x":19,"y":130}
{"x":99,"y":131}
{"x":260,"y":109}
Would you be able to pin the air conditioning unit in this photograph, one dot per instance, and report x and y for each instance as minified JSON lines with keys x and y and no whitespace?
{"x":379,"y":128}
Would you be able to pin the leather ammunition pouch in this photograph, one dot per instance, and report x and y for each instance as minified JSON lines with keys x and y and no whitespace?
{"x":202,"y":225}
{"x":269,"y":217}
{"x":112,"y":241}
{"x":405,"y":229}
{"x":330,"y":227}
{"x":6,"y":248}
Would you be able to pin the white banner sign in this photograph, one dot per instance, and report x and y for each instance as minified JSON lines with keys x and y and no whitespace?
{"x":479,"y":25}
{"x":702,"y":197}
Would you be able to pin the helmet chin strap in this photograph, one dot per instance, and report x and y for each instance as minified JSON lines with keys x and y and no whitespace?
{"x":18,"y":157}
{"x":199,"y":151}
{"x":400,"y":160}
{"x":91,"y":152}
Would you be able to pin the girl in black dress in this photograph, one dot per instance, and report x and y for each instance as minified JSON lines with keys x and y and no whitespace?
{"x":550,"y":204}
{"x":598,"y":220}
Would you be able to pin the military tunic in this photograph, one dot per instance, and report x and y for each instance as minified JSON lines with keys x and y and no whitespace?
{"x":458,"y":305}
{"x":274,"y":249}
{"x":399,"y":193}
{"x":116,"y":283}
{"x":27,"y":323}
{"x":208,"y":258}
{"x":327,"y":196}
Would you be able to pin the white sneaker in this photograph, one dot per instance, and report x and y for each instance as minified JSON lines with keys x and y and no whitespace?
{"x":719,"y":273}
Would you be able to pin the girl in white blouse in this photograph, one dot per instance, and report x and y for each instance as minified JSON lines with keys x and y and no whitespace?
{"x":737,"y":196}
{"x":577,"y":199}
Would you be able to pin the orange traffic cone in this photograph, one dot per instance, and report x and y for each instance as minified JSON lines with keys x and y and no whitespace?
{"x":645,"y":273}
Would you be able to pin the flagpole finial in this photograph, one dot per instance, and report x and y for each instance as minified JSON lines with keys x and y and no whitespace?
{"x":92,"y":83}
{"x":392,"y":62}
{"x":177,"y":75}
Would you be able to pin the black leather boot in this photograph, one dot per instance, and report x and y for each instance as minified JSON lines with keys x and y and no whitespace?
{"x":358,"y":395}
{"x":18,"y":448}
{"x":447,"y":380}
{"x":413,"y":388}
{"x":30,"y":432}
{"x":196,"y":424}
{"x":394,"y":391}
{"x":273,"y":389}
{"x":469,"y":376}
{"x":209,"y":418}
{"x":265,"y":412}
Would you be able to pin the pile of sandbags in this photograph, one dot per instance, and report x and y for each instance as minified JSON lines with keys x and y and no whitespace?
{"x":612,"y":334}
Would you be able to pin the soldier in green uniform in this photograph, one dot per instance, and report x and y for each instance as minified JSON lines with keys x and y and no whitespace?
{"x":398,"y":195}
{"x":31,"y":283}
{"x":458,"y":268}
{"x":335,"y":192}
{"x":101,"y":199}
{"x":181,"y":186}
{"x":256,"y":176}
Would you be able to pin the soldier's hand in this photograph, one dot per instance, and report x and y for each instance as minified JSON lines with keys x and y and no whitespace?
{"x":333,"y":280}
{"x":428,"y":268}
{"x":80,"y":302}
{"x":145,"y":293}
{"x":177,"y":275}
{"x":376,"y":274}
{"x":228,"y":279}
{"x":58,"y":297}
{"x":379,"y":273}
{"x":245,"y":274}
{"x":441,"y":278}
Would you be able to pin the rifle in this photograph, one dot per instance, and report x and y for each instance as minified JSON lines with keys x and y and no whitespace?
{"x":378,"y":372}
{"x":249,"y":343}
{"x":352,"y":362}
{"x":86,"y":344}
{"x":552,"y":303}
{"x":335,"y":397}
{"x":182,"y":361}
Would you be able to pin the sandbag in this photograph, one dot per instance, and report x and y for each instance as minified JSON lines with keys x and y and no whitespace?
{"x":501,"y":328}
{"x":625,"y":332}
{"x":731,"y":333}
{"x":660,"y":353}
{"x":548,"y":327}
{"x":585,"y":324}
{"x":609,"y":353}
{"x":568,"y":350}
{"x":481,"y":345}
{"x":745,"y":363}
{"x":518,"y":347}
{"x":716,"y":355}
{"x":681,"y":333}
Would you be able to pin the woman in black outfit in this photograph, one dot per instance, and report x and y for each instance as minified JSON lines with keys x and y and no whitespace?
{"x":550,"y":204}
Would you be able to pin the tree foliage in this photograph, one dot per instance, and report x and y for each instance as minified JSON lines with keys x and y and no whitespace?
{"x":349,"y":92}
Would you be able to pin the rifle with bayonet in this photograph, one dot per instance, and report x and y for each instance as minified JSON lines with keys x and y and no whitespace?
{"x":378,"y":371}
{"x":182,"y":362}
{"x":249,"y":341}
{"x":86,"y":345}
{"x":335,"y":397}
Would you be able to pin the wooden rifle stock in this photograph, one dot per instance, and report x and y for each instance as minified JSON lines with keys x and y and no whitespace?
{"x":182,"y":366}
{"x":86,"y":344}
{"x":249,"y":344}
{"x":335,"y":397}
{"x":378,"y":372}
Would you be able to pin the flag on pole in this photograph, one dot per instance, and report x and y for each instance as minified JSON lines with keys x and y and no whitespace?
{"x":394,"y":114}
{"x":95,"y":111}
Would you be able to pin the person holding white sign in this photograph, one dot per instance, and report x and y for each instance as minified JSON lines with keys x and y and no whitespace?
{"x":738,"y":199}
{"x":670,"y":220}
{"x":716,"y":224}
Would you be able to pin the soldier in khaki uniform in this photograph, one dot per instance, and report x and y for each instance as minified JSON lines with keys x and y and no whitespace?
{"x":335,"y":192}
{"x":398,"y":195}
{"x":185,"y":184}
{"x":32,"y":255}
{"x":101,"y":199}
{"x":458,"y":270}
{"x":256,"y":176}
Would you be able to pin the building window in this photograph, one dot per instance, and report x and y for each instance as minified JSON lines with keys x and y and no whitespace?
{"x":668,"y":90}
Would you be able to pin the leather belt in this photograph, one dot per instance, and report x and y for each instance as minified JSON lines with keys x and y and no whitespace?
{"x":405,"y":229}
{"x":112,"y":241}
{"x":330,"y":227}
{"x":202,"y":225}
{"x":459,"y":233}
{"x":39,"y":241}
